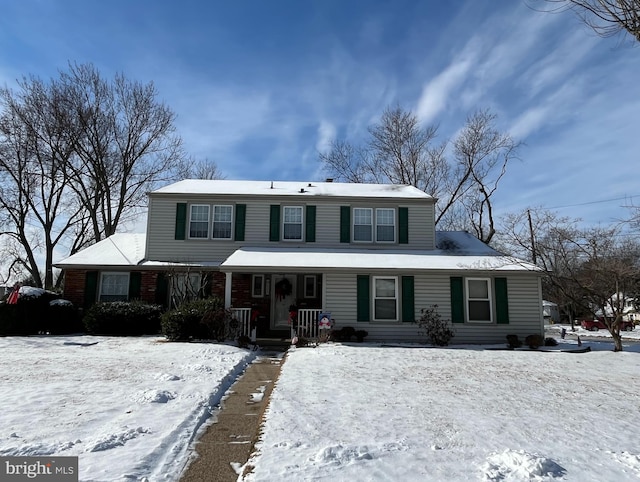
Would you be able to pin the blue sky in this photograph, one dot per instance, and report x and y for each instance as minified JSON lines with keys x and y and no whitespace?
{"x":261,"y":86}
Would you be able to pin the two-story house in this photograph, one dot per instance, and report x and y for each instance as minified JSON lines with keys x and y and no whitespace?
{"x":368,"y":254}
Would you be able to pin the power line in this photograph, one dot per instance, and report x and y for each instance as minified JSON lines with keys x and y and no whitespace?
{"x":593,"y":202}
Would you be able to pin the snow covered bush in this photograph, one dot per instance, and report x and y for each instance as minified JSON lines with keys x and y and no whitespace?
{"x":200,"y":319}
{"x":123,"y":318}
{"x":32,"y":314}
{"x":438,"y":331}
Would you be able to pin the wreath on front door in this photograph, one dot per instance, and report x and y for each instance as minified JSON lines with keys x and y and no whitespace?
{"x":283,"y":289}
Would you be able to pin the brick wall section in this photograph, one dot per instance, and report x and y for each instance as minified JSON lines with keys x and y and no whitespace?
{"x":74,"y":286}
{"x":218,"y":281}
{"x":148,"y":286}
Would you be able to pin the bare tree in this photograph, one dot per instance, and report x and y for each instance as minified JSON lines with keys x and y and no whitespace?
{"x":77,"y":157}
{"x":200,"y":169}
{"x":35,"y":146}
{"x":605,"y":17}
{"x":126,"y":144}
{"x":592,"y":271}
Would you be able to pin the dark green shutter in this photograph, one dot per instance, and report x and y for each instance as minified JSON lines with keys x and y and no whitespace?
{"x":135,"y":284}
{"x":345,"y":224}
{"x":90,"y":288}
{"x":457,"y":300}
{"x":181,"y":220}
{"x":502,"y":304}
{"x":408,"y":302}
{"x":403,"y":225}
{"x":241,"y":213}
{"x":274,"y":223}
{"x":310,"y":235}
{"x":364,"y":298}
{"x":162,"y":289}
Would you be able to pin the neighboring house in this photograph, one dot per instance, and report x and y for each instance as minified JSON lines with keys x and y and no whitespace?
{"x":368,"y":254}
{"x":624,"y":304}
{"x":550,"y":312}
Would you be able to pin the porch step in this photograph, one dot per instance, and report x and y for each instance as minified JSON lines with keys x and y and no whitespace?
{"x":274,"y":344}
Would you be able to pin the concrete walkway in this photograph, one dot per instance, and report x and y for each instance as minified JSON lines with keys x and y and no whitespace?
{"x":230,"y":440}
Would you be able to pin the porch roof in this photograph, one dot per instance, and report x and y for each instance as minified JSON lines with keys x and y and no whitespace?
{"x":309,"y":259}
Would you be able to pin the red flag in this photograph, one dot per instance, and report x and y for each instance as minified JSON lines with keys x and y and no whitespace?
{"x":13,"y":296}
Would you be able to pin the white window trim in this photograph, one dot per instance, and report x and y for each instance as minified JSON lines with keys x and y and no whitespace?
{"x":315,"y":285}
{"x":374,"y":298}
{"x":213,"y":220}
{"x":119,"y":273}
{"x":353,"y":225}
{"x":395,"y":223}
{"x":254,"y":293}
{"x":489,"y":299}
{"x":209,"y":222}
{"x":301,"y":239}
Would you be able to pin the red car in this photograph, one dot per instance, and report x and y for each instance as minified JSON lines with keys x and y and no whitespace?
{"x":595,"y":325}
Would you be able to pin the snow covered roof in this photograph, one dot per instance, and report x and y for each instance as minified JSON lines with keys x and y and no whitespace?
{"x":292,"y":188}
{"x":120,"y":249}
{"x":279,"y":259}
{"x":463,"y":243}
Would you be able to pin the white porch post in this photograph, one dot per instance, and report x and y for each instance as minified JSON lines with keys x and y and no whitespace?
{"x":227,"y":290}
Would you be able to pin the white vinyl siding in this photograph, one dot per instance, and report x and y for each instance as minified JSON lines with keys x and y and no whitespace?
{"x":199,"y":221}
{"x":222,"y":222}
{"x":363,"y":224}
{"x":161,"y":245}
{"x":292,"y":223}
{"x":114,"y":286}
{"x":385,"y":225}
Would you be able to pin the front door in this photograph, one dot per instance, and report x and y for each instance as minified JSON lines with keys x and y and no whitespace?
{"x":283,"y":295}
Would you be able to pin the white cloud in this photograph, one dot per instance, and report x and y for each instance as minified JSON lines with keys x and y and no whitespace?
{"x":326,"y":135}
{"x":436,"y":92}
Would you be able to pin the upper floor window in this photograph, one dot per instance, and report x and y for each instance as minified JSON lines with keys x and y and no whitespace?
{"x":385,"y":225}
{"x":479,"y":300}
{"x":199,"y":221}
{"x":114,"y":287}
{"x":292,"y":223}
{"x":363,"y":224}
{"x":222,"y":222}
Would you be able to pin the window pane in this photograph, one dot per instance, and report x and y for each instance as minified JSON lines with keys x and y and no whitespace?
{"x":292,"y":231}
{"x":479,"y":311}
{"x":222,"y":214}
{"x":362,"y":233}
{"x":309,"y":286}
{"x":479,"y":289}
{"x":293,"y":214}
{"x":114,"y":287}
{"x":361,"y":216}
{"x":258,"y":283}
{"x":385,"y":233}
{"x":385,"y":288}
{"x":385,"y":309}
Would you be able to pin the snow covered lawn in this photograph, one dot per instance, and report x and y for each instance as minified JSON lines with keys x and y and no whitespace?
{"x":378,"y":413}
{"x":128,"y":407}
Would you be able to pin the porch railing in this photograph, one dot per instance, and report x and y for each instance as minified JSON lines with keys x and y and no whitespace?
{"x":308,"y":322}
{"x":243,"y":315}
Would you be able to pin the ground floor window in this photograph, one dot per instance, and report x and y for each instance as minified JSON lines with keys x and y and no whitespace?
{"x":257,"y":286}
{"x":479,"y":300}
{"x":185,"y":287}
{"x":114,"y":286}
{"x":310,"y":286}
{"x":385,"y":298}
